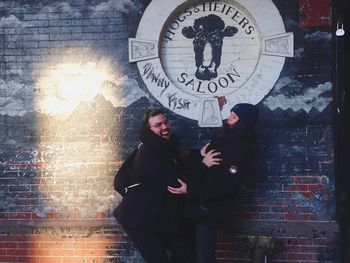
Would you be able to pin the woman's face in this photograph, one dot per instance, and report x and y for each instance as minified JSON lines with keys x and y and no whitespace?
{"x":232,"y":119}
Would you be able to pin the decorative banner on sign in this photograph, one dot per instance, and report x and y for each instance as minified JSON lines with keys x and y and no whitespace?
{"x":142,"y":49}
{"x":232,"y":50}
{"x":279,"y":45}
{"x":210,"y":113}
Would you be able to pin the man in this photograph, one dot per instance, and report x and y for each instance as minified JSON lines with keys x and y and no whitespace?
{"x":149,"y":214}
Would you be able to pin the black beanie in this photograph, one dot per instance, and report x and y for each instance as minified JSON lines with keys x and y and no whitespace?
{"x":247,"y":113}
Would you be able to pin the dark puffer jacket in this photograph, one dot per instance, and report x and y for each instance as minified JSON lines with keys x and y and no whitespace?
{"x":150,"y":206}
{"x":211,"y":195}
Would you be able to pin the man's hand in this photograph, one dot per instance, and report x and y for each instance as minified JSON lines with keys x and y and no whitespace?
{"x":180,"y":190}
{"x":210,"y":158}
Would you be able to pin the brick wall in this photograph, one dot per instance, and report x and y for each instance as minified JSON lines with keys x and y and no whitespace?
{"x":57,"y":167}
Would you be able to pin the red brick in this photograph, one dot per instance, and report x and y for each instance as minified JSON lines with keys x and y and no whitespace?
{"x":307,"y":195}
{"x":19,"y":252}
{"x":73,"y":245}
{"x":283,"y":256}
{"x":30,"y":259}
{"x":8,"y":245}
{"x":27,"y":245}
{"x":16,"y":237}
{"x":89,"y":259}
{"x":309,"y":249}
{"x":4,"y":215}
{"x":299,"y":216}
{"x":322,"y":242}
{"x":296,"y":188}
{"x":8,"y":259}
{"x":101,"y":215}
{"x":50,"y":260}
{"x":302,"y":257}
{"x":47,"y":216}
{"x":289,"y":249}
{"x":20,"y":216}
{"x":316,"y":188}
{"x":224,"y":246}
{"x":63,"y":252}
{"x":41,"y":252}
{"x":50,"y":245}
{"x":247,"y":216}
{"x":90,"y":252}
{"x":304,"y":241}
{"x":223,"y":254}
{"x":272,"y":216}
{"x":73,"y":260}
{"x":50,"y":238}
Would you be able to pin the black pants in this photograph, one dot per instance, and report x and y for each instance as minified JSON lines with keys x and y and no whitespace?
{"x":161,"y":248}
{"x":151,"y":245}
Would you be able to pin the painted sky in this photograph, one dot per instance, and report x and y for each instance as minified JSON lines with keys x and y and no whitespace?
{"x":293,"y":91}
{"x":18,"y":96}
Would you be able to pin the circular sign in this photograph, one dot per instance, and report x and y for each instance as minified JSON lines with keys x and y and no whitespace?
{"x":200,"y":58}
{"x":209,"y":49}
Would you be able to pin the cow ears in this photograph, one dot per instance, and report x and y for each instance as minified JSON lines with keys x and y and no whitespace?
{"x":189,"y":32}
{"x":229,"y":31}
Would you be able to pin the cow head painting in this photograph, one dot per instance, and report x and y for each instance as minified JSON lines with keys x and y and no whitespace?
{"x":208,"y":30}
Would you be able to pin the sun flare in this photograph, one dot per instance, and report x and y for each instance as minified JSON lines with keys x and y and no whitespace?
{"x":76,"y":147}
{"x":68,"y":84}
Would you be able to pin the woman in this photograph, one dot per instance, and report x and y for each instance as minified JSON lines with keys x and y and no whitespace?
{"x":210,"y":195}
{"x":148,"y":213}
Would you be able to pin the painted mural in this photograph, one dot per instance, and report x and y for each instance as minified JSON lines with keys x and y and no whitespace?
{"x":71,"y":103}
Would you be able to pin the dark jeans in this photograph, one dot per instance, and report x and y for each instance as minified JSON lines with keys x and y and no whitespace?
{"x":160,"y":248}
{"x":206,"y":238}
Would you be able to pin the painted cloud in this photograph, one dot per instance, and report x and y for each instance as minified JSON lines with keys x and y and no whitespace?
{"x":124,"y":93}
{"x":290,"y":93}
{"x":298,"y":98}
{"x":15,"y":98}
{"x":123,"y":6}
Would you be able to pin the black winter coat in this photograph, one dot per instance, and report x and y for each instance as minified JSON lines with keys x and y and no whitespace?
{"x":210,"y":196}
{"x":150,"y":206}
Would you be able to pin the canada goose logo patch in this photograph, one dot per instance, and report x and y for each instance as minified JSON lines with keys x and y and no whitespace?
{"x":233,"y":169}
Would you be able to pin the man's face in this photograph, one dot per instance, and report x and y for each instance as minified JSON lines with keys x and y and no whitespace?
{"x":160,"y":126}
{"x":232,"y":119}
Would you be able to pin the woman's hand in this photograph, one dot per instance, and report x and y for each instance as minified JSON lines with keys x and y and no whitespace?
{"x":210,"y":158}
{"x":178,"y":190}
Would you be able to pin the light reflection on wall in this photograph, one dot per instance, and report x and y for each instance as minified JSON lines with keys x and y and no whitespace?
{"x":76,"y":128}
{"x":63,"y":89}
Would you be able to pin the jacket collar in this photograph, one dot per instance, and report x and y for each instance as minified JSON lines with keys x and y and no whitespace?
{"x":160,"y":145}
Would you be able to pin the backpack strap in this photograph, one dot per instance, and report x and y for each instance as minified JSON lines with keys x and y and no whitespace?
{"x":123,"y":179}
{"x":137,"y":184}
{"x":130,"y":186}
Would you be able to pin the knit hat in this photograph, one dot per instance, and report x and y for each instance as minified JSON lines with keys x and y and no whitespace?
{"x":247,"y":113}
